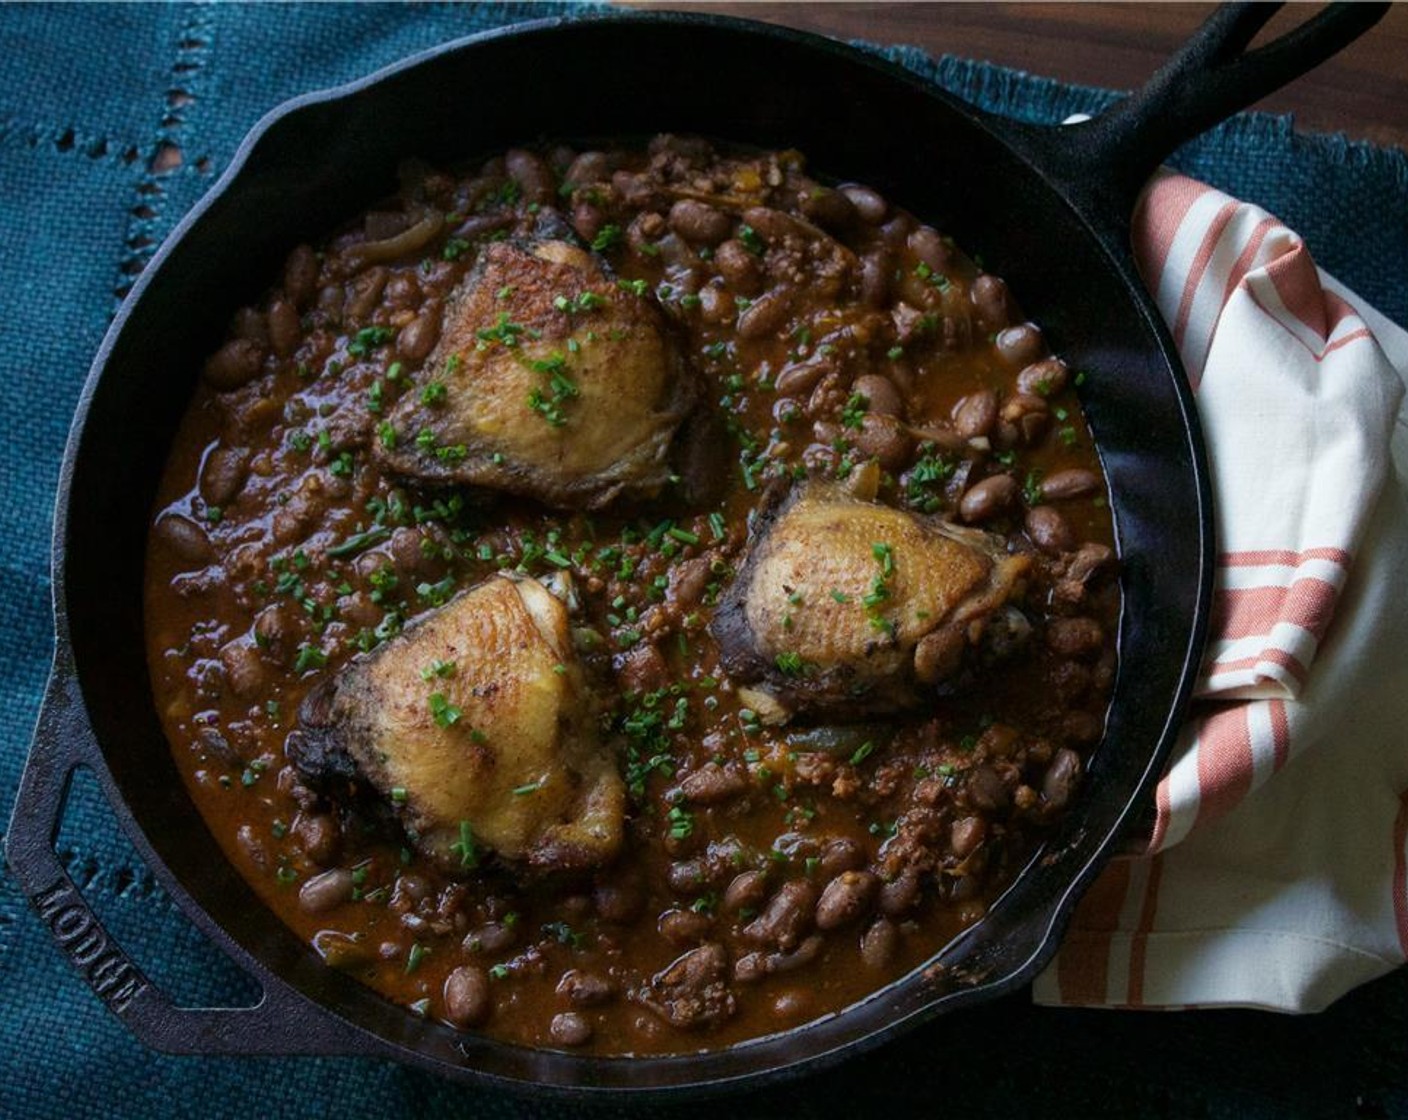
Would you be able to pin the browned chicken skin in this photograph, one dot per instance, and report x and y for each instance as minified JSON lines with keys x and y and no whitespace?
{"x":477,"y":726}
{"x":847,"y":606}
{"x":550,"y":381}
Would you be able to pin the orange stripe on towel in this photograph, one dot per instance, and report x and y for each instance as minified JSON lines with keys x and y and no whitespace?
{"x":1159,"y":214}
{"x":1139,"y":945}
{"x":1083,"y":968}
{"x":1247,"y":257}
{"x":1296,"y":283}
{"x":1241,"y":612}
{"x":1280,"y":734}
{"x":1285,"y":557}
{"x":1199,"y":266}
{"x":1224,"y":761}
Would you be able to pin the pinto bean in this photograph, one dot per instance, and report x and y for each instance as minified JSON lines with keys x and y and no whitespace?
{"x":1045,"y":378}
{"x":799,"y":957}
{"x":900,"y":895}
{"x":1049,"y":530}
{"x":846,"y":898}
{"x":366,"y":292}
{"x":587,"y":219}
{"x":276,"y":629}
{"x":1075,"y":637}
{"x":320,"y":837}
{"x":800,"y":380}
{"x":285,"y":330}
{"x":752,"y":967}
{"x":895,"y":232}
{"x":234,"y":364}
{"x":532,"y":175}
{"x":831,"y":209}
{"x":417,"y":338}
{"x":712,"y":783}
{"x":878,"y":944}
{"x":301,"y":276}
{"x":468,"y":1000}
{"x":219,"y":748}
{"x":491,"y":937}
{"x":1020,"y":345}
{"x":222,"y":474}
{"x":764,"y":316}
{"x":989,"y":498}
{"x":244,"y":671}
{"x":699,"y":222}
{"x":745,"y":892}
{"x":926,"y":244}
{"x":876,"y":276}
{"x":325,"y":891}
{"x":687,"y":876}
{"x":407,"y":554}
{"x":884,"y":399}
{"x":786,"y":917}
{"x":1077,"y":482}
{"x":870,"y":206}
{"x":990,"y":298}
{"x":570,"y":1029}
{"x":1090,"y":561}
{"x":772,"y":225}
{"x":589,"y":167}
{"x":739,"y":267}
{"x":684,"y":927}
{"x":585,"y":989}
{"x":185,"y":538}
{"x":965,"y":834}
{"x":841,"y":854}
{"x":975,"y":414}
{"x":884,"y":438}
{"x":1061,"y":779}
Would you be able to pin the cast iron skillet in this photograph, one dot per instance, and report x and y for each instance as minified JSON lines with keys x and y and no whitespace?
{"x":1048,"y":210}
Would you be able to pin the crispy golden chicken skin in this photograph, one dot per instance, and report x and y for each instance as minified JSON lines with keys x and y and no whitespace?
{"x":550,"y":381}
{"x":847,"y":606}
{"x":477,"y":726}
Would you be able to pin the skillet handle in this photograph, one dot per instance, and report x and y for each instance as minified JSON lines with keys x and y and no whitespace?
{"x":283,"y":1022}
{"x":1106,"y":161}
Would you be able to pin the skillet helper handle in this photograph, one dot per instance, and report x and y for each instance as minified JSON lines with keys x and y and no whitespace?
{"x":1107,"y":160}
{"x":283,"y":1022}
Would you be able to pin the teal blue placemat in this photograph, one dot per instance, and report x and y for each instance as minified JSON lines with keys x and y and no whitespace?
{"x":114,"y":120}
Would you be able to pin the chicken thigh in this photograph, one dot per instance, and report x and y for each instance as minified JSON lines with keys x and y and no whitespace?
{"x":550,"y":381}
{"x":845,"y":606}
{"x":477,"y":727}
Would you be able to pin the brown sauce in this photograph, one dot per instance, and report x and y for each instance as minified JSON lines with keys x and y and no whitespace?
{"x":281,"y":551}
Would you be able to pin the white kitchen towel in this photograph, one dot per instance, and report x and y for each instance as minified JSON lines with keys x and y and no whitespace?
{"x":1274,"y":876}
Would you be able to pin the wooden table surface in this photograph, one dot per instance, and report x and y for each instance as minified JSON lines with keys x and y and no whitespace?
{"x":1362,"y":92}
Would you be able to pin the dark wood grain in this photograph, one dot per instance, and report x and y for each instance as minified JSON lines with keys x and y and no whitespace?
{"x":1362,"y":92}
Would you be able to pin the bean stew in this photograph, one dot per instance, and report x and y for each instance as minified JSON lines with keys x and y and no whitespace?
{"x":632,"y":600}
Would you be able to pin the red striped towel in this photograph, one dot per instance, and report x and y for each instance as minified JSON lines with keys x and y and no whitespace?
{"x":1275,"y":873}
